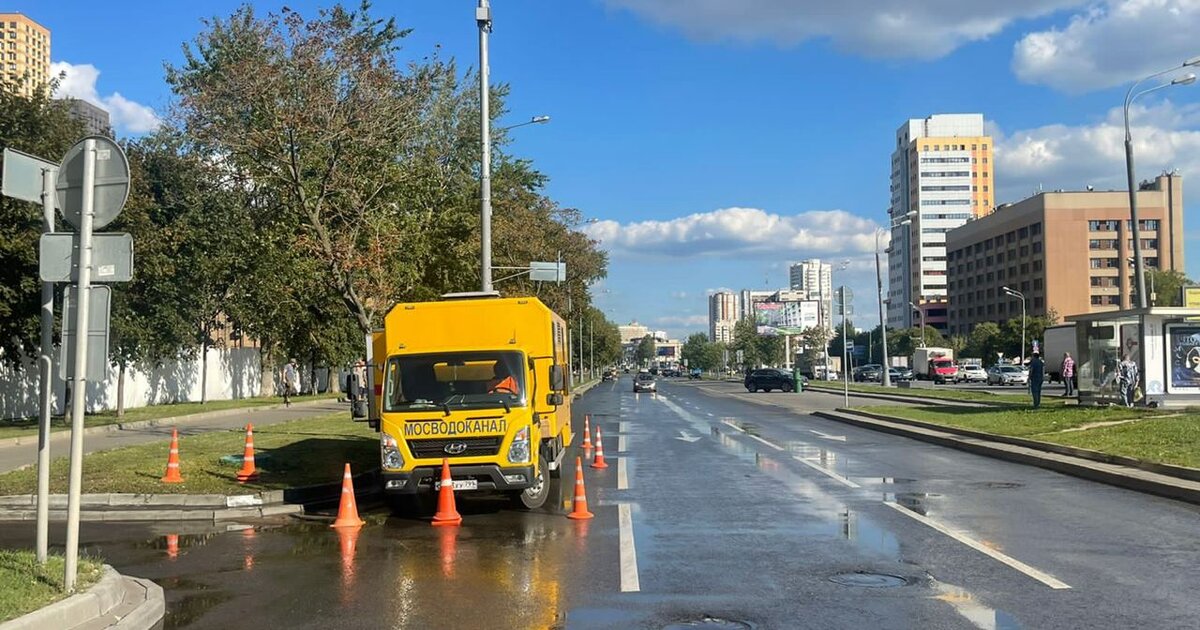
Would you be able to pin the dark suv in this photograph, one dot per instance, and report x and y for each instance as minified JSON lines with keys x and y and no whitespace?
{"x":769,"y":378}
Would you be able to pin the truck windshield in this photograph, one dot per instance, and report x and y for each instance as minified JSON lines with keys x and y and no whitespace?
{"x":454,"y":380}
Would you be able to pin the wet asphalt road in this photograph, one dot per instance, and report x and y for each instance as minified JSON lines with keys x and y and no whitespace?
{"x":737,"y":506}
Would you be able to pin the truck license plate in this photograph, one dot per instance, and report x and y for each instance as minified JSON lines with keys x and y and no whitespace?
{"x":459,"y":484}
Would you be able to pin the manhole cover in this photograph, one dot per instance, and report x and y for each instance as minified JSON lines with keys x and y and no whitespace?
{"x":710,"y":623}
{"x":868,"y":580}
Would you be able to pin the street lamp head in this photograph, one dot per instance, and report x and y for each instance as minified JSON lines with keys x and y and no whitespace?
{"x":1005,"y":289}
{"x":1185,"y":80}
{"x":540,"y":119}
{"x":1194,"y":61}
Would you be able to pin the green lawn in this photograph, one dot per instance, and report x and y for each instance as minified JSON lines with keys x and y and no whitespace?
{"x":1174,"y":440}
{"x":298,"y":453}
{"x":29,"y":426}
{"x":26,"y":586}
{"x":1170,"y":439}
{"x":1017,"y":396}
{"x":1010,"y":420}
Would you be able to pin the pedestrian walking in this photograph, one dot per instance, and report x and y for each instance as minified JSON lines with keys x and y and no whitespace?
{"x":291,"y":382}
{"x":1037,"y":373}
{"x":358,"y":380}
{"x":1127,"y":380}
{"x":1068,"y":374}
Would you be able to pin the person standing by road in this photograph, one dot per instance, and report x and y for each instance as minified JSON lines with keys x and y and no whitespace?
{"x":1068,"y":374}
{"x":1037,"y":373}
{"x":1127,"y":380}
{"x":359,"y":381}
{"x":291,"y":382}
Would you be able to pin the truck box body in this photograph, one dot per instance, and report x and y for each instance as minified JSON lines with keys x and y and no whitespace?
{"x":1057,"y":340}
{"x":935,"y":364}
{"x":479,"y":382}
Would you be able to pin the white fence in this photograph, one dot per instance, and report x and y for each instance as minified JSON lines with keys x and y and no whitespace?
{"x":232,"y":373}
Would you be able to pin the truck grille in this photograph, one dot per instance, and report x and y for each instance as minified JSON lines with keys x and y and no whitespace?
{"x":436,"y":449}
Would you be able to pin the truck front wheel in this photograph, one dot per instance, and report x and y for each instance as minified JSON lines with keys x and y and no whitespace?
{"x":534,"y":497}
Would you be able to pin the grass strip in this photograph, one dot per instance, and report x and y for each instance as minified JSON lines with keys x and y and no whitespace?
{"x":1010,"y":420}
{"x":26,"y":586}
{"x":1017,"y":397}
{"x":297,"y":453}
{"x":29,"y":426}
{"x":1173,"y":440}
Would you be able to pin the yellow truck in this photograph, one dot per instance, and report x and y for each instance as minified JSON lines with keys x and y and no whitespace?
{"x":479,"y":380}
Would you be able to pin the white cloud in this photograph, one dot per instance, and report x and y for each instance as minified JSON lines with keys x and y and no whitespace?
{"x":80,"y":82}
{"x":742,"y":232}
{"x":1109,"y":44}
{"x":1165,"y":136}
{"x":924,"y":29}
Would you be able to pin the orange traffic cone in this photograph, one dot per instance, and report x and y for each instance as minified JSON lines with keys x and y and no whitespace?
{"x":599,"y":461}
{"x":446,"y":514}
{"x":173,"y":475}
{"x":587,"y":435}
{"x":347,"y":509}
{"x":581,"y":509}
{"x":248,"y":472}
{"x":172,"y":546}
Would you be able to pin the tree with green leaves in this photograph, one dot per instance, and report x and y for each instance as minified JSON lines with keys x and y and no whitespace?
{"x":645,"y":350}
{"x":1166,"y":286}
{"x":745,"y":340}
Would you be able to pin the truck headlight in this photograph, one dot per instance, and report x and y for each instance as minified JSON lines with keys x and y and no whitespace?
{"x":389,"y":453}
{"x":518,"y":451}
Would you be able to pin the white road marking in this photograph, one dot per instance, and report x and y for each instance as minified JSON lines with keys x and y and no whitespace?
{"x":629,"y":570}
{"x":1044,"y":578}
{"x":832,"y":475}
{"x":622,"y":475}
{"x":752,"y":436}
{"x":620,"y":443}
{"x":624,"y":426}
{"x":687,"y":437}
{"x":839,"y":438}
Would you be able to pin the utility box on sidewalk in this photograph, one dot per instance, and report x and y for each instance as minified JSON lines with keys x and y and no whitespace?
{"x":797,"y":380}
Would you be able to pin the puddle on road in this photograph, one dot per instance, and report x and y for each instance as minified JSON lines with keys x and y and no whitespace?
{"x":970,"y":608}
{"x":184,"y":611}
{"x":918,"y":502}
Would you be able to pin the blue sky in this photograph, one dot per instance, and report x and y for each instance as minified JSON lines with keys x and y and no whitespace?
{"x":715,"y":141}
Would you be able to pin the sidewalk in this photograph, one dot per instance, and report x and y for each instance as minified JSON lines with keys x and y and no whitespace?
{"x":15,"y":456}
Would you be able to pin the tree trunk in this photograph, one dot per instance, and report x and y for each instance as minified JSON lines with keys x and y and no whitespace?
{"x":121,"y":390}
{"x":266,"y":368}
{"x":204,"y":368}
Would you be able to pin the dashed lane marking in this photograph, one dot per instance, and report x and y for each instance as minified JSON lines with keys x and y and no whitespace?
{"x":1041,"y":576}
{"x":832,"y":475}
{"x":622,"y":475}
{"x":629,"y":569}
{"x":752,"y":436}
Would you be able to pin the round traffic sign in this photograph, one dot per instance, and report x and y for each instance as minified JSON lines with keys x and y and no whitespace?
{"x":111,"y":182}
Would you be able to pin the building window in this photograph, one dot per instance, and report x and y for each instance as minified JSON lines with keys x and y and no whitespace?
{"x":985,"y":147}
{"x":1037,"y":284}
{"x":1096,"y":300}
{"x":974,"y":147}
{"x":1102,"y":243}
{"x":1151,"y":262}
{"x":1037,"y":247}
{"x":1024,"y":268}
{"x":1104,"y":263}
{"x":1038,"y":302}
{"x":1037,"y":265}
{"x":1024,"y":251}
{"x":1035,"y":229}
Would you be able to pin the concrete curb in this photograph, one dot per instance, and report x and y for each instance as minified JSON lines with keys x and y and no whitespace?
{"x":908,"y":399}
{"x":1031,"y":453}
{"x":115,"y":601}
{"x":174,"y":420}
{"x":582,"y":389}
{"x":186,"y":507}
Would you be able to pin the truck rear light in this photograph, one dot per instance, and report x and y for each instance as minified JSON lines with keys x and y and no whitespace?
{"x":378,"y":390}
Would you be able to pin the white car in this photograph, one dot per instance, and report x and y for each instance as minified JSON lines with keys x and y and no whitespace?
{"x":972,"y":373}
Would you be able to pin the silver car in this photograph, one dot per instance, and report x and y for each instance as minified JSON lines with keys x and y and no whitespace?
{"x":1007,"y":375}
{"x":644,"y":382}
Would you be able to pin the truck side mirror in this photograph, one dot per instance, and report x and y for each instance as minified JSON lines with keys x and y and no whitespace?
{"x":557,"y":380}
{"x":555,"y":399}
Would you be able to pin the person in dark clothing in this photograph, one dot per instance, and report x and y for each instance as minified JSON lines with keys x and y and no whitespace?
{"x":1037,"y":372}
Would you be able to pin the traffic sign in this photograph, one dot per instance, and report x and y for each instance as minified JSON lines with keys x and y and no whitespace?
{"x":112,"y":257}
{"x":548,"y":271}
{"x":111,"y":187}
{"x":22,"y":177}
{"x":99,"y":299}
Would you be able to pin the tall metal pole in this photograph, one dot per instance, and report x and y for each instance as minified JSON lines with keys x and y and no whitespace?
{"x":1022,"y":329}
{"x":45,"y":393}
{"x":845,"y":361}
{"x":887,"y":376}
{"x":592,"y":347}
{"x":79,"y":386}
{"x":483,"y":17}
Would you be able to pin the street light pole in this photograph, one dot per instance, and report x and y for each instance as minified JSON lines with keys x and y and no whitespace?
{"x":483,"y":18}
{"x":922,"y":312}
{"x":886,"y":377}
{"x":1020,"y":296}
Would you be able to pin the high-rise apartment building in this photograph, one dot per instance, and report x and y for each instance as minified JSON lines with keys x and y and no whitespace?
{"x":942,"y":178}
{"x":24,"y":53}
{"x":95,"y":119}
{"x":1066,"y":251}
{"x":723,"y":315}
{"x":815,"y":279}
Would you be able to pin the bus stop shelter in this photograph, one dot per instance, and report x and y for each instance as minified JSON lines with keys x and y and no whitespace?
{"x":1171,"y":372}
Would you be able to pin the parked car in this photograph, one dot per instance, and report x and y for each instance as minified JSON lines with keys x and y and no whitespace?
{"x":870,"y":372}
{"x":644,"y":382}
{"x":767,"y":379}
{"x":1007,"y":375}
{"x":972,"y":373}
{"x":900,"y":374}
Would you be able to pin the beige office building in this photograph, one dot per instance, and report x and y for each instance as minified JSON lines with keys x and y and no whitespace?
{"x":1069,"y":252}
{"x":24,"y":53}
